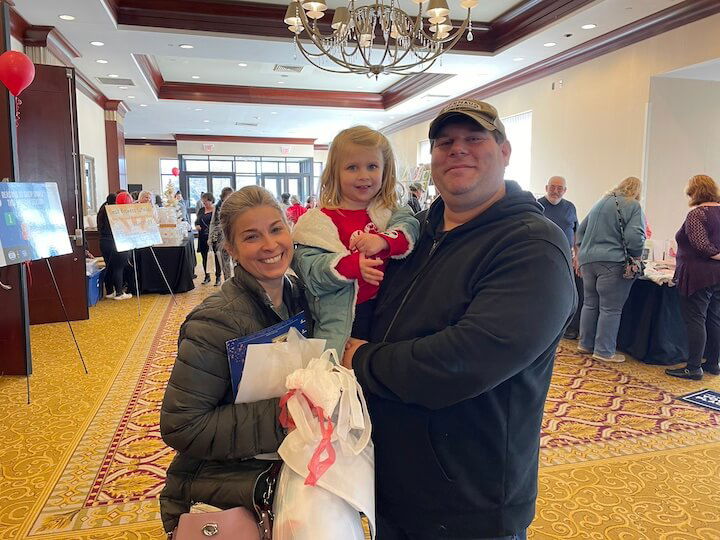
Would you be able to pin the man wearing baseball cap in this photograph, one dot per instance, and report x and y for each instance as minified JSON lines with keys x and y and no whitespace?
{"x":462,"y":347}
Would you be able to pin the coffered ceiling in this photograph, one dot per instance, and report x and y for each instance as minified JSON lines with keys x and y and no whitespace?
{"x":229,"y":67}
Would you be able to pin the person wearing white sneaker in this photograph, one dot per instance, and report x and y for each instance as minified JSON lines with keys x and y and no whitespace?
{"x":124,"y":296}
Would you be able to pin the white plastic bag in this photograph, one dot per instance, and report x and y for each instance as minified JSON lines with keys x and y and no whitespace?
{"x":328,"y":473}
{"x":267,"y":366}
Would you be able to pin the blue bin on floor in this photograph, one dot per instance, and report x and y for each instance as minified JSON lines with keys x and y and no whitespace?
{"x":95,"y":287}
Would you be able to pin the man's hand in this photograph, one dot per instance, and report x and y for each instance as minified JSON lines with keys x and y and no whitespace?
{"x":351,"y":346}
{"x":369,"y":273}
{"x":369,"y":244}
{"x":576,"y":266}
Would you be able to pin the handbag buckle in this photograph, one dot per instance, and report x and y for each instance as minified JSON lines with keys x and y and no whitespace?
{"x":210,"y":529}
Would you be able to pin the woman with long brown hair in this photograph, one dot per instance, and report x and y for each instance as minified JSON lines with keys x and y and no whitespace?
{"x":697,"y":277}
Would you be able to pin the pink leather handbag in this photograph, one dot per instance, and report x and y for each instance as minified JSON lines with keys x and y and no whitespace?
{"x":233,"y":524}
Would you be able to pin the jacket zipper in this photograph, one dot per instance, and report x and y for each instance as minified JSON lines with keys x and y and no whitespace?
{"x":436,"y":244}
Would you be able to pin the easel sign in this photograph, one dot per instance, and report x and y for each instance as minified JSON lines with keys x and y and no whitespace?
{"x":133,"y":226}
{"x":32,"y":223}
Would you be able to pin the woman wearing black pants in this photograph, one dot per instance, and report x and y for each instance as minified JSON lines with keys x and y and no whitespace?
{"x":115,"y":261}
{"x":202,"y":224}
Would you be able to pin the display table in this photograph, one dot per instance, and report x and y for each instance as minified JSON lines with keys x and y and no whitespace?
{"x":177,"y":262}
{"x":652,"y":329}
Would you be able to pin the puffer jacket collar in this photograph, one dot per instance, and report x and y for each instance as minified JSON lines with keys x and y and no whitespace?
{"x":292,"y":291}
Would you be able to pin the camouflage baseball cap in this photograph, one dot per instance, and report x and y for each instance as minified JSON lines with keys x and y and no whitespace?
{"x":483,"y":113}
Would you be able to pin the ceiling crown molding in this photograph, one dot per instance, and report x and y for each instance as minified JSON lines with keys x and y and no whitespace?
{"x":50,"y":38}
{"x":237,"y":139}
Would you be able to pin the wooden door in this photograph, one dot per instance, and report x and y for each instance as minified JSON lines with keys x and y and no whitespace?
{"x":48,"y":152}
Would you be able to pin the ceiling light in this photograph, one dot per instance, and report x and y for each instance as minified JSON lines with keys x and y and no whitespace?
{"x":143,"y":105}
{"x":195,"y":77}
{"x":281,"y":82}
{"x":101,"y":61}
{"x":113,"y":76}
{"x":67,"y":17}
{"x":549,"y":44}
{"x":206,"y":121}
{"x":186,"y":46}
{"x":131,"y":97}
{"x":273,"y":112}
{"x":97,"y":43}
{"x":403,"y":45}
{"x":588,"y":26}
{"x":198,"y":109}
{"x":122,"y":87}
{"x":518,"y":59}
{"x":144,"y":137}
{"x":242,"y":64}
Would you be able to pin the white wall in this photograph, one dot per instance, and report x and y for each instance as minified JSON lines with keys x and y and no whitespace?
{"x":16,"y":45}
{"x":683,"y":140}
{"x":143,"y":164}
{"x":592,"y":130}
{"x":245,"y":149}
{"x":91,"y":131}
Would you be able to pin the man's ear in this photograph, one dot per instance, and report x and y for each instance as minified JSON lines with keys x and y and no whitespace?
{"x":506,"y":150}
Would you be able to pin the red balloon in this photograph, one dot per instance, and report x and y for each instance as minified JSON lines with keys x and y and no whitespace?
{"x":175,"y":171}
{"x":123,"y":198}
{"x":16,"y":71}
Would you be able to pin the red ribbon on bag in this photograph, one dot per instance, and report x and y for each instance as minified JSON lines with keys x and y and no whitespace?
{"x":317,"y":465}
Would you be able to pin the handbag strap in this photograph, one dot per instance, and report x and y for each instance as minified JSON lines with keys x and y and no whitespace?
{"x":622,"y":225}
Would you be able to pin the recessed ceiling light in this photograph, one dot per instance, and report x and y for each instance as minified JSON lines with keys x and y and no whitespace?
{"x":144,"y":137}
{"x":281,"y":82}
{"x":113,"y":76}
{"x":518,"y":59}
{"x":242,"y":64}
{"x":67,"y":17}
{"x":186,"y":46}
{"x":588,"y":26}
{"x":97,"y":43}
{"x":143,"y":105}
{"x":273,"y":112}
{"x":206,"y":121}
{"x":195,"y":77}
{"x":122,"y":87}
{"x":549,"y":44}
{"x":101,"y":61}
{"x":198,"y":109}
{"x":131,"y":97}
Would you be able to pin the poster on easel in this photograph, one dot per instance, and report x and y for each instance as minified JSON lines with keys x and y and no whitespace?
{"x":32,"y":223}
{"x":133,"y":226}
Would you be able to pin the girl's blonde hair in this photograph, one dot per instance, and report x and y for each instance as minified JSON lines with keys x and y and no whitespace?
{"x":330,"y":195}
{"x":702,"y":189}
{"x":631,"y":188}
{"x":242,"y":200}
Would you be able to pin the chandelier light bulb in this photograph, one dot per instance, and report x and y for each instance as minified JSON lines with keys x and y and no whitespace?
{"x":315,"y":14}
{"x":468,"y":4}
{"x":437,"y":8}
{"x":341,"y":18}
{"x":436,"y":20}
{"x":315,"y":5}
{"x":296,"y":29}
{"x":441,"y":29}
{"x":291,"y":15}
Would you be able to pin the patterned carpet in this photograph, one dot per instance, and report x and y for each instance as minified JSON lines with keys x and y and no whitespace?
{"x":621,"y":458}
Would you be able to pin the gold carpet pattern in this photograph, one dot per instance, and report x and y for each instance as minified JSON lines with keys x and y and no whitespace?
{"x":621,"y":456}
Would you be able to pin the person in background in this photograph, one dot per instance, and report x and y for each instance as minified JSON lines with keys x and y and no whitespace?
{"x":134,"y":195}
{"x":183,"y":206}
{"x":202,"y":224}
{"x":602,"y":263}
{"x":697,"y":276}
{"x":311,"y":202}
{"x":216,"y":238}
{"x":145,"y":197}
{"x":158,"y":201}
{"x":199,"y":204}
{"x":284,"y":201}
{"x":295,"y":210}
{"x":563,"y":214}
{"x":115,"y":262}
{"x":225,"y":449}
{"x":415,"y":198}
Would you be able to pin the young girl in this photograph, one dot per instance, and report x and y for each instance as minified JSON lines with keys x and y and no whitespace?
{"x":344,"y":244}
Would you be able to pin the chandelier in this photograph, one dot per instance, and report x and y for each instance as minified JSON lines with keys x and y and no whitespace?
{"x":376,"y":38}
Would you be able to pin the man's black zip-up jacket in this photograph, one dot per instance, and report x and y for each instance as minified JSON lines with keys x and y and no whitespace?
{"x":459,"y":365}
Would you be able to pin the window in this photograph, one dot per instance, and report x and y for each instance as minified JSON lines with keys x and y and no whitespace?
{"x":519,"y":132}
{"x":423,"y":152}
{"x":89,"y":191}
{"x":166,"y":175}
{"x":317,"y":173}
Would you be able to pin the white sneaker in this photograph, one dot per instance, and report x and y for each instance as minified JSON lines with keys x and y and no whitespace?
{"x":616,"y":358}
{"x":123,"y":296}
{"x":110,"y":295}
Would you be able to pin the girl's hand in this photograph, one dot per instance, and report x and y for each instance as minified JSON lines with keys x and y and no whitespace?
{"x":369,"y":244}
{"x":369,"y":273}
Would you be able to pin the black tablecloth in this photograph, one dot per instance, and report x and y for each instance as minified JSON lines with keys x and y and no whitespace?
{"x":652,"y":329}
{"x":177,"y":262}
